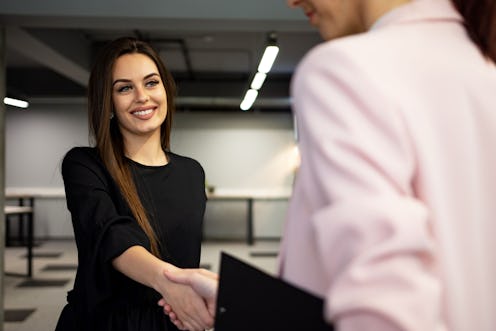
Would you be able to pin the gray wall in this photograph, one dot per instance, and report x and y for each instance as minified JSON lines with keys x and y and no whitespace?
{"x":240,"y":150}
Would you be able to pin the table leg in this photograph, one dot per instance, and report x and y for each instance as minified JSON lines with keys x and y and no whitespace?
{"x":249,"y":231}
{"x":30,"y":244}
{"x":7,"y":231}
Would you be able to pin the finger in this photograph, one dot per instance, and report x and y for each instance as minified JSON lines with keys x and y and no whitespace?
{"x":204,"y":286}
{"x":182,"y":277}
{"x":177,"y":322}
{"x":198,"y":315}
{"x":208,"y":273}
{"x":204,"y":317}
{"x":189,"y":318}
{"x":195,"y":323}
{"x":179,"y":325}
{"x":192,"y":326}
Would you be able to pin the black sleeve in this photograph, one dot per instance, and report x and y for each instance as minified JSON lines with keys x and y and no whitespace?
{"x":103,"y":226}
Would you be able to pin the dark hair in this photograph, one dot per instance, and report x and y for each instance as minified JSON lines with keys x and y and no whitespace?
{"x":480,"y":22}
{"x":105,"y":132}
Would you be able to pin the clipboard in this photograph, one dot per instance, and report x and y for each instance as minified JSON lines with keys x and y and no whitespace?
{"x":249,"y":299}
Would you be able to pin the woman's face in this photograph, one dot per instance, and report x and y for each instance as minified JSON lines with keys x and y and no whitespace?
{"x":139,"y":96}
{"x":333,"y":18}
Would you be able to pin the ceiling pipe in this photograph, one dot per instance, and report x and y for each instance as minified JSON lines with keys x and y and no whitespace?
{"x":179,"y":41}
{"x":210,"y":102}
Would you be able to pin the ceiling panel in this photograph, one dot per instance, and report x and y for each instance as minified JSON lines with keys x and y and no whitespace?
{"x":212,"y":48}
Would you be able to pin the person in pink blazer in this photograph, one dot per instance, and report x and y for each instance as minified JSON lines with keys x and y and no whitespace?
{"x":393,"y":215}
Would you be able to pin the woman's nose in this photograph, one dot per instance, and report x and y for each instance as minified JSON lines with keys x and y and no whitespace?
{"x":294,"y":3}
{"x":141,"y":94}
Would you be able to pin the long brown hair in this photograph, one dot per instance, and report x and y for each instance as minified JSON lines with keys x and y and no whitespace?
{"x":105,"y":131}
{"x":480,"y":22}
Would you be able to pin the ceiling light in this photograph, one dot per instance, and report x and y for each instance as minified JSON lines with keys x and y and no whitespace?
{"x":258,"y":81}
{"x":268,"y":59}
{"x":249,"y":99}
{"x":15,"y":102}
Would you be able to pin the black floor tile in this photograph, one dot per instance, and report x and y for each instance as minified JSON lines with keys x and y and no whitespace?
{"x":264,"y":254}
{"x":45,"y":254}
{"x":44,"y":283}
{"x":17,"y":315}
{"x":19,"y":243}
{"x":59,"y":267}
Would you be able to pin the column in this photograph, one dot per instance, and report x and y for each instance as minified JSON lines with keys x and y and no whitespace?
{"x":2,"y":169}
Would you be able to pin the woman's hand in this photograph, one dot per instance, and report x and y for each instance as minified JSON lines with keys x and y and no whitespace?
{"x":202,"y":281}
{"x":187,"y":307}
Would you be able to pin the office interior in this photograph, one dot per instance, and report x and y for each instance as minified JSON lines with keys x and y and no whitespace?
{"x":213,"y":50}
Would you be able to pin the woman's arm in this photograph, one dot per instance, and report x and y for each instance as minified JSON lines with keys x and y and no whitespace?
{"x":140,"y":265}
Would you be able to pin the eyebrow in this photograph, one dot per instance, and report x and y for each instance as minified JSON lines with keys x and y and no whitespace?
{"x":128,"y":80}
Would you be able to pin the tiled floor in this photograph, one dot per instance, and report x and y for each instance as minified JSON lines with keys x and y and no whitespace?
{"x":35,"y":304}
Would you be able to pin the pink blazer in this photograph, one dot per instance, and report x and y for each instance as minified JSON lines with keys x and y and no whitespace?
{"x":393,"y":214}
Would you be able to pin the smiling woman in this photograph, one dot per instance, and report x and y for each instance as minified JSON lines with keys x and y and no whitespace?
{"x":136,"y":207}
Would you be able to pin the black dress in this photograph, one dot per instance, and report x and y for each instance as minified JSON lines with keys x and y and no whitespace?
{"x":174,"y":198}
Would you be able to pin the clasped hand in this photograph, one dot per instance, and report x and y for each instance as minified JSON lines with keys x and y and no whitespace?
{"x":190,"y":298}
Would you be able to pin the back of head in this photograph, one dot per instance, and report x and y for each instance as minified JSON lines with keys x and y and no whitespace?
{"x":480,"y":22}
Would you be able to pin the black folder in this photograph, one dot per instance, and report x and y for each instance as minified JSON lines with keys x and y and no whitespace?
{"x":249,"y":299}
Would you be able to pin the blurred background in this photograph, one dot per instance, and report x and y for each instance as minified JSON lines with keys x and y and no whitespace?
{"x":213,"y":49}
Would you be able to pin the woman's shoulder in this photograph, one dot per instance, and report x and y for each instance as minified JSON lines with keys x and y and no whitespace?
{"x":87,"y":157}
{"x":81,"y":153}
{"x":184,"y":161}
{"x":345,"y":51}
{"x":83,"y":161}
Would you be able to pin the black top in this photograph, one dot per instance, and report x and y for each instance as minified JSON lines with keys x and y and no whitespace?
{"x":174,"y":198}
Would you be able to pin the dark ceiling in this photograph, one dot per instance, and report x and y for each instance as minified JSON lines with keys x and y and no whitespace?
{"x":211,"y":47}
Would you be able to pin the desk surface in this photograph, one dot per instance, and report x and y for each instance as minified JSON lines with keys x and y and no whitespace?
{"x":12,"y":210}
{"x":34,"y":192}
{"x":245,"y":194}
{"x":218,"y":193}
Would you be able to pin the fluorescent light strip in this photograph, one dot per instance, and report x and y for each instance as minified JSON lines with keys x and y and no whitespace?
{"x":249,"y":99}
{"x":15,"y":102}
{"x":264,"y":67}
{"x":268,"y":59}
{"x":258,"y":81}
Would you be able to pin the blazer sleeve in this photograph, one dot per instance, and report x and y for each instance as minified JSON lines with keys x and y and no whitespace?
{"x":373,"y":234}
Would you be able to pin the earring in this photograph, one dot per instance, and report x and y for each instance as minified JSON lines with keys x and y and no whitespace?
{"x":111,"y":115}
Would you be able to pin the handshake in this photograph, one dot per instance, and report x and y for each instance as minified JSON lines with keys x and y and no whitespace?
{"x":189,"y":297}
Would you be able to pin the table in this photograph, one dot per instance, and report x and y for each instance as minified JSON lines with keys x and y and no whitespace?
{"x":250,"y":196}
{"x":22,"y":211}
{"x":29,"y":193}
{"x":226,"y":194}
{"x":25,"y":208}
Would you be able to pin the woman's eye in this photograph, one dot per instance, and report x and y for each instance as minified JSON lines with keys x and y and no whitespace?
{"x":152,"y":83}
{"x":124,"y":88}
